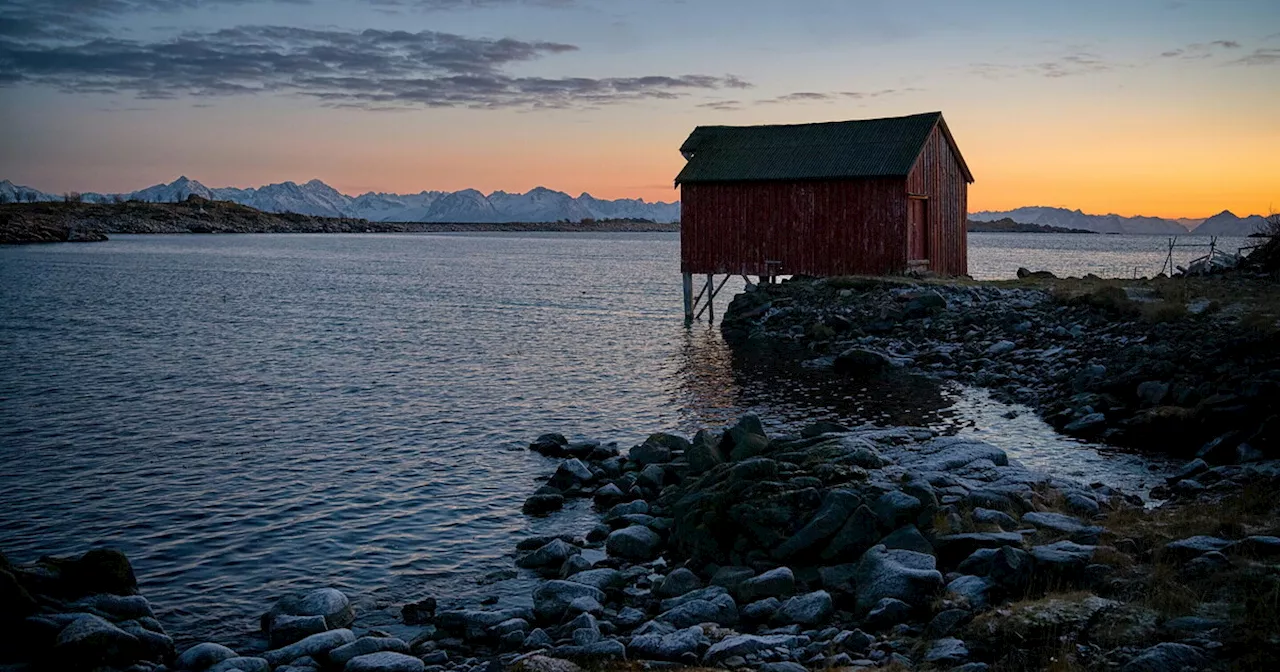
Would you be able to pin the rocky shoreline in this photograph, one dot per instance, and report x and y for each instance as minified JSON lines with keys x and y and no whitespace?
{"x":851,"y":548}
{"x":1139,"y":364}
{"x":22,"y":223}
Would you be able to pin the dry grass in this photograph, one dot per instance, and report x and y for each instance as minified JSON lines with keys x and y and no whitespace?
{"x":1164,"y":311}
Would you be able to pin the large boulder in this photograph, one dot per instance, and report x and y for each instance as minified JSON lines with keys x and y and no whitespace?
{"x":202,"y":656}
{"x":315,"y":646}
{"x":636,"y":542}
{"x":779,"y":582}
{"x":365,"y":646}
{"x":678,"y":582}
{"x":552,"y":599}
{"x":858,"y":533}
{"x":553,"y":554}
{"x":745,"y":645}
{"x":837,"y":507}
{"x":102,"y":570}
{"x":385,"y":661}
{"x":327,"y":602}
{"x":810,"y":609}
{"x":90,"y":641}
{"x":863,"y":362}
{"x":902,"y":575}
{"x":676,"y":646}
{"x":704,"y":453}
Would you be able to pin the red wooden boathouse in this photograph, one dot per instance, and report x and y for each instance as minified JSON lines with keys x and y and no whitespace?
{"x":866,"y":197}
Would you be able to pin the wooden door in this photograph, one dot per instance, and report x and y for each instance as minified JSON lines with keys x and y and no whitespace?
{"x":917,"y":229}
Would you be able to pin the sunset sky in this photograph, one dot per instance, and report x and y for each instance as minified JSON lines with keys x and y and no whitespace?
{"x":1157,"y":107}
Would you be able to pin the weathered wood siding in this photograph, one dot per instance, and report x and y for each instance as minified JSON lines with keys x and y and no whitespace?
{"x":937,"y":174}
{"x":820,"y":228}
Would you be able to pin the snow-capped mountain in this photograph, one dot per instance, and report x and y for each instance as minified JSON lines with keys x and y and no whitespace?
{"x":1226,"y":223}
{"x":1075,"y":219}
{"x":317,"y":198}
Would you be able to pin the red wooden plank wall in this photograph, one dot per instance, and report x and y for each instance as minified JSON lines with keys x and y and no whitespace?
{"x":937,"y":174}
{"x":820,"y":228}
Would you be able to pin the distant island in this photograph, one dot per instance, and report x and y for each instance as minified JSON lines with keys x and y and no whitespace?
{"x":1007,"y":225}
{"x":1225,"y":223}
{"x":49,"y":222}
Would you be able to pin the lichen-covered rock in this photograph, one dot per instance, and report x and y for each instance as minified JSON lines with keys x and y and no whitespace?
{"x":902,"y":575}
{"x":809,"y":609}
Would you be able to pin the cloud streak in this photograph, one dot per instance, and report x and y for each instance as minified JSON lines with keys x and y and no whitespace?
{"x":371,"y":69}
{"x":1201,"y":50}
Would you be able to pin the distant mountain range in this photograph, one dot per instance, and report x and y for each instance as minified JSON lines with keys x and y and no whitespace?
{"x":1225,"y":223}
{"x":319,"y":199}
{"x":545,"y":205}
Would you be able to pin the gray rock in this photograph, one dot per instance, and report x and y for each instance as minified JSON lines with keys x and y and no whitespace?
{"x":783,"y":666}
{"x":545,"y":503}
{"x":202,"y":656}
{"x":887,"y":613}
{"x":604,"y":649}
{"x":285,"y":629}
{"x":674,"y":646}
{"x":761,"y":610}
{"x":1081,"y":504}
{"x":779,"y":582}
{"x":896,"y":508}
{"x":678,"y":582}
{"x":838,"y":578}
{"x":908,"y":538}
{"x":947,"y":622}
{"x":1000,"y":348}
{"x":1168,"y":657}
{"x":731,"y":577}
{"x":552,"y":554}
{"x":650,"y":453}
{"x":474,"y":624}
{"x":1152,"y":392}
{"x":863,"y":362}
{"x":634,"y":543}
{"x":316,"y":646}
{"x":584,"y":605}
{"x":574,"y":564}
{"x":538,"y":639}
{"x":626,"y":508}
{"x":327,"y":602}
{"x":1185,"y":549}
{"x":652,"y":476}
{"x":720,"y":609}
{"x":1063,"y":525}
{"x":551,"y":599}
{"x":385,"y":661}
{"x":241,"y":665}
{"x":902,"y":575}
{"x":1063,"y":560}
{"x":809,"y":609}
{"x":855,"y":641}
{"x":951,"y":549}
{"x":1257,"y":546}
{"x":974,"y":590}
{"x":1088,"y":424}
{"x":89,"y":641}
{"x":949,"y":651}
{"x":860,"y":532}
{"x":366,"y":645}
{"x":836,"y":508}
{"x":115,"y":607}
{"x":745,"y":645}
{"x":992,"y":517}
{"x":600,"y":579}
{"x":704,"y":454}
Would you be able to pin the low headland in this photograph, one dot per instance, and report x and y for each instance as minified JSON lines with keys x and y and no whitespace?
{"x":1007,"y":225}
{"x":49,"y":222}
{"x":851,"y":548}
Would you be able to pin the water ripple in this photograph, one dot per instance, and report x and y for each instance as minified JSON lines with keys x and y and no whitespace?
{"x":247,"y":416}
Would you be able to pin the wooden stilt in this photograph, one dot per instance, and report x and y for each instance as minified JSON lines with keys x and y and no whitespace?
{"x":711,"y":295}
{"x":688,"y":298}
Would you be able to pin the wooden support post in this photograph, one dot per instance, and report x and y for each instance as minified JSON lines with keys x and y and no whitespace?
{"x":688,"y":298}
{"x":711,"y":311}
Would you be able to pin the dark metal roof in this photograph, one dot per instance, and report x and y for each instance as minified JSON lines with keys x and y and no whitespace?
{"x":831,"y":150}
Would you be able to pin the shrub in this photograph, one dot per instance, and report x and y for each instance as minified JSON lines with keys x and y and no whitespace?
{"x":1164,"y":311}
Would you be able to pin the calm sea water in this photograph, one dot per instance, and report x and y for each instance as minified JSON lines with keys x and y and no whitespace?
{"x":247,"y":416}
{"x":997,"y":256}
